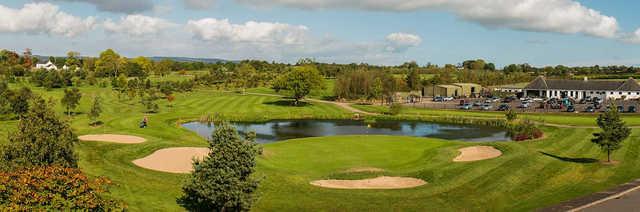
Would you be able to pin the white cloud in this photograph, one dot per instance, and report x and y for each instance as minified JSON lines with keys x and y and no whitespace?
{"x":399,"y":41}
{"x":632,"y":37}
{"x":210,"y":29}
{"x":137,"y":25}
{"x":561,"y":16}
{"x":199,"y":4}
{"x":37,"y":18}
{"x":121,"y":6}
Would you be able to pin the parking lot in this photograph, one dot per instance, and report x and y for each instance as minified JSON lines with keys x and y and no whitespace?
{"x":533,"y":106}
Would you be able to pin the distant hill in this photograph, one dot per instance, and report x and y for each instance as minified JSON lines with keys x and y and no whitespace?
{"x":190,"y":59}
{"x":43,"y":59}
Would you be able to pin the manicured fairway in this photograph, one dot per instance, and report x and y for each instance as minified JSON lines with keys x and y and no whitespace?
{"x":527,"y":176}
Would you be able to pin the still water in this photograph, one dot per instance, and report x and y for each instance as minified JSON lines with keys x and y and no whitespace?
{"x":280,"y":130}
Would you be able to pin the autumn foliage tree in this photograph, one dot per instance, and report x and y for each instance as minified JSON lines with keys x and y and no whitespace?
{"x":54,"y":188}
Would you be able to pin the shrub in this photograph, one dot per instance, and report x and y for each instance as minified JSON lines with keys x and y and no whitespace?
{"x":54,"y":188}
{"x":395,"y":109}
{"x":524,"y":130}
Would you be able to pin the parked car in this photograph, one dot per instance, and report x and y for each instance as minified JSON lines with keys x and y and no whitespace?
{"x":448,"y":98}
{"x":631,"y":109}
{"x":477,"y":103}
{"x":597,"y":105}
{"x":466,"y":106}
{"x":487,"y":107}
{"x":524,"y":105}
{"x":538,"y":99}
{"x":438,"y":99}
{"x":589,"y":109}
{"x":504,"y":107}
{"x":620,"y":109}
{"x":556,"y":106}
{"x":571,"y":108}
{"x":495,"y":99}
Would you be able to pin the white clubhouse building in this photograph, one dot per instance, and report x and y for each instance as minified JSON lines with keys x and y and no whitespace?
{"x":579,"y":89}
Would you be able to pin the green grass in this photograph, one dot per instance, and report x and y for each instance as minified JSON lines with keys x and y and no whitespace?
{"x":522,"y":179}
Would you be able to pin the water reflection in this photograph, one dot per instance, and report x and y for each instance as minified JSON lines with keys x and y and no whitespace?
{"x":289,"y":129}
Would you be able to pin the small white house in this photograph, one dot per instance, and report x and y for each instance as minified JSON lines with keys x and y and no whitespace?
{"x":47,"y":66}
{"x":579,"y":89}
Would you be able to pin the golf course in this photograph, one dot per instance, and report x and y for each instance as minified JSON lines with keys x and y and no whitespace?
{"x":523,"y":176}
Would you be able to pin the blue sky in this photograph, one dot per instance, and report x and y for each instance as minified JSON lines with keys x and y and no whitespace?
{"x":539,"y":32}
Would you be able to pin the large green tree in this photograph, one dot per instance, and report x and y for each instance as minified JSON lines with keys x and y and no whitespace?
{"x":614,"y":131}
{"x":108,"y":63}
{"x":71,"y":99}
{"x":41,"y":139}
{"x":223,"y":181}
{"x":300,"y":81}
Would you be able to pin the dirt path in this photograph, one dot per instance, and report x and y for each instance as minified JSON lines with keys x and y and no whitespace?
{"x":382,"y":182}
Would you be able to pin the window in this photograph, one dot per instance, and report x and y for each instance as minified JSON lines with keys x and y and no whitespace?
{"x":591,"y":92}
{"x":629,"y":93}
{"x":611,"y":92}
{"x":620,"y":93}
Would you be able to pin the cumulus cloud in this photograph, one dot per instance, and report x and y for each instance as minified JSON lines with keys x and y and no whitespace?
{"x":120,"y":6}
{"x":199,"y":4}
{"x":43,"y":18}
{"x":632,"y":37}
{"x":137,"y":25}
{"x":400,"y":42}
{"x":210,"y":29}
{"x":561,"y":16}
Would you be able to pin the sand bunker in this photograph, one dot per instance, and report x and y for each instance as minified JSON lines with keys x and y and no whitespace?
{"x":383,"y":182}
{"x":476,"y":153}
{"x":121,"y":139}
{"x":172,"y":160}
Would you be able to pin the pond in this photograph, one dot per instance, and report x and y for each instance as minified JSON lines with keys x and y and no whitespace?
{"x":280,"y":130}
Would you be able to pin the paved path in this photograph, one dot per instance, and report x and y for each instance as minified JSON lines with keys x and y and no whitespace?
{"x":625,"y":197}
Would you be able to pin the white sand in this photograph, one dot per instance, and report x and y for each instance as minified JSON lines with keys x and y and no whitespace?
{"x":476,"y":153}
{"x":364,"y":169}
{"x":173,"y":160}
{"x":383,"y":182}
{"x":121,"y":139}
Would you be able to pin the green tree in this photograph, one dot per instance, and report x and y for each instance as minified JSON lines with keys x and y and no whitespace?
{"x":614,"y":131}
{"x":300,"y":81}
{"x":71,"y":99}
{"x":413,"y":79}
{"x":223,"y":181}
{"x":20,"y":101}
{"x":108,"y":63}
{"x":164,"y":67}
{"x":145,"y":63}
{"x":96,"y":109}
{"x":41,"y":139}
{"x":72,"y":59}
{"x":511,"y":115}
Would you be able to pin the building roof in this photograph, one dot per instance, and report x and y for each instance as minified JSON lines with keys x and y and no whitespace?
{"x":540,"y":83}
{"x":467,"y":84}
{"x":449,"y":86}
